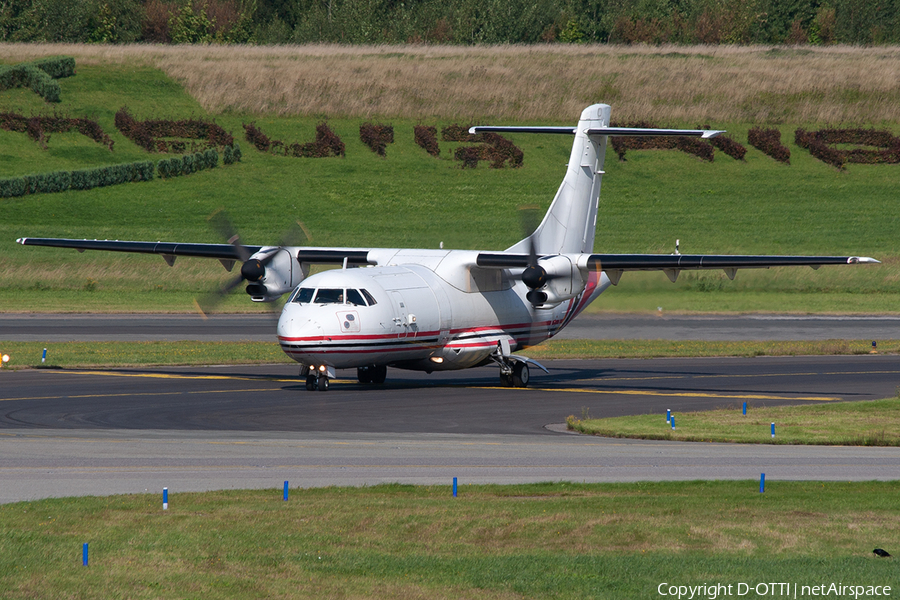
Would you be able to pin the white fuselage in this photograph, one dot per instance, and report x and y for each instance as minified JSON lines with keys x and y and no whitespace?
{"x":425,"y":310}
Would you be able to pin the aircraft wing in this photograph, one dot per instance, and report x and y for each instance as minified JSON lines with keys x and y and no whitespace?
{"x":220,"y":251}
{"x":672,"y":264}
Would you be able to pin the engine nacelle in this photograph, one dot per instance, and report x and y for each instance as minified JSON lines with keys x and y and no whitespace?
{"x":564,"y":282}
{"x":280,"y":275}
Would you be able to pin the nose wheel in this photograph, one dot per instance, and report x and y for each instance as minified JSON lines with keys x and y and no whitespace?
{"x":318,"y":379}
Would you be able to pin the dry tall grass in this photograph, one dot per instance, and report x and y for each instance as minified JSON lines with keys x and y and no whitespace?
{"x":669,"y":84}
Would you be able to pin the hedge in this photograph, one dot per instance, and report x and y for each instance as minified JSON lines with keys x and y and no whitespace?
{"x":497,"y":149}
{"x":146,"y":134}
{"x":327,"y":143}
{"x":190,"y":163}
{"x":426,"y":137}
{"x":817,"y":142}
{"x":84,"y":179}
{"x":39,"y":76}
{"x":377,"y":137}
{"x":769,"y":141}
{"x":37,"y":126}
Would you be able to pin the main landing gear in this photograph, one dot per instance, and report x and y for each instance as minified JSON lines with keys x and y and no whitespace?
{"x":515,"y":375}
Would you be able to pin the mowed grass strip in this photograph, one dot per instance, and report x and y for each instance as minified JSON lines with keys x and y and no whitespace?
{"x":864,"y":423}
{"x":121,"y":354}
{"x":554,"y":540}
{"x":597,"y":349}
{"x":126,"y":354}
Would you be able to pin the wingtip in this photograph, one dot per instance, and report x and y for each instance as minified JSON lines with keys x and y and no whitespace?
{"x":712,"y":133}
{"x":21,"y":241}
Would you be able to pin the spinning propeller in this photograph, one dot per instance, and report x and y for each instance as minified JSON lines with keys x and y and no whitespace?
{"x":534,"y":276}
{"x":253,"y":270}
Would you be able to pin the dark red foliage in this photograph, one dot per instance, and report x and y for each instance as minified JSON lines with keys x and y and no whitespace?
{"x":256,"y":137}
{"x":769,"y":141}
{"x":146,"y":134}
{"x":37,"y":127}
{"x":497,"y":149}
{"x":426,"y":137}
{"x":377,"y":137}
{"x":818,"y":143}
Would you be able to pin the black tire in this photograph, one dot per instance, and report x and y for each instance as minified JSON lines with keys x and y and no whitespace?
{"x":323,"y":383}
{"x":521,"y":376}
{"x":379,"y":374}
{"x":506,"y":380}
{"x":364,"y":374}
{"x":311,"y":383}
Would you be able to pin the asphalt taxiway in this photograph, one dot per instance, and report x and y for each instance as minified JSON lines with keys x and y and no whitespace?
{"x":76,"y":432}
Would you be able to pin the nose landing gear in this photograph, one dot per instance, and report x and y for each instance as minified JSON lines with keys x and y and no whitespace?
{"x":318,"y":378}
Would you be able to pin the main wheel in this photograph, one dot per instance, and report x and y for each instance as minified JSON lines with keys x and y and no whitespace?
{"x":520,"y":375}
{"x":310,"y":383}
{"x":506,"y":380}
{"x":379,"y":374}
{"x":323,"y":383}
{"x":364,"y":374}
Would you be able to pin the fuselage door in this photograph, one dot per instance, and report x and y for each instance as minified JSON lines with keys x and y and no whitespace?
{"x":401,"y":314}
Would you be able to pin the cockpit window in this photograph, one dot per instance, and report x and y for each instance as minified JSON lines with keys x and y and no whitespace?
{"x":369,"y":297}
{"x":330,"y":296}
{"x":355,"y":298}
{"x":303,"y":295}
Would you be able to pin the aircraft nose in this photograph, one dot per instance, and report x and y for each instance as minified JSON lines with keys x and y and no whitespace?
{"x":293,"y":325}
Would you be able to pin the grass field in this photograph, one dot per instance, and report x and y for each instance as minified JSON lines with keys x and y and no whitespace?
{"x":532,"y":541}
{"x":412,"y":200}
{"x":872,"y":423}
{"x":122,"y":354}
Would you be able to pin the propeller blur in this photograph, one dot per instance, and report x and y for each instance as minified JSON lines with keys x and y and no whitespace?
{"x":432,"y":310}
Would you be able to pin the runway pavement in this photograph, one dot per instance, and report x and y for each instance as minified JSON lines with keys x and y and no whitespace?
{"x":69,"y":432}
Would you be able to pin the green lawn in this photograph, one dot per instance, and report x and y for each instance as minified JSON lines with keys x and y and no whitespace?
{"x":410,"y":199}
{"x":558,"y":540}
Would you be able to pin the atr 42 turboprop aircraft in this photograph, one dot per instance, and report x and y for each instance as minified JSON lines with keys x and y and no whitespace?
{"x":433,"y":310}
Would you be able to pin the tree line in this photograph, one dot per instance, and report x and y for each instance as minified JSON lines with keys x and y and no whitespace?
{"x":461,"y":22}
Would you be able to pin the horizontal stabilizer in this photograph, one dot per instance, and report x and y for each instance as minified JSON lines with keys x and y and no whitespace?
{"x":597,"y":131}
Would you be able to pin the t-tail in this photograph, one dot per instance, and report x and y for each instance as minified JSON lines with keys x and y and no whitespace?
{"x":571,"y":221}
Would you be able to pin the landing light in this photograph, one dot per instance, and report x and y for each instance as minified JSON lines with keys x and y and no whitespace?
{"x":437,"y":359}
{"x":5,"y":358}
{"x":322,"y":368}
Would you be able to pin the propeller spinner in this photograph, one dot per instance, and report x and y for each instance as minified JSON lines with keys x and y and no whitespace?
{"x":253,"y":269}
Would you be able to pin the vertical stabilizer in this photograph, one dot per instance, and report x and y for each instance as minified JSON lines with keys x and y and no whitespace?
{"x":569,"y":225}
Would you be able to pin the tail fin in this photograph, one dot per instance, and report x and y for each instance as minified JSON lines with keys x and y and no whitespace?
{"x":570,"y":223}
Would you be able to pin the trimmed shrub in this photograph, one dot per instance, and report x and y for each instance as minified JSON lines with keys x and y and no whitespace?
{"x":497,"y":149}
{"x":13,"y":186}
{"x":146,"y":134}
{"x":817,"y":142}
{"x":426,"y":137}
{"x":327,"y":143}
{"x":37,"y":126}
{"x":82,"y":179}
{"x":377,"y":137}
{"x":256,"y":137}
{"x":769,"y":142}
{"x":727,"y":145}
